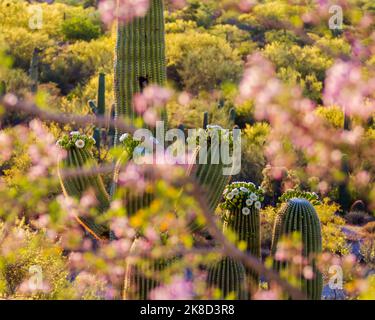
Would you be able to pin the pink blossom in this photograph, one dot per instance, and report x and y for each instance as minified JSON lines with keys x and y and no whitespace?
{"x":125,"y":11}
{"x":178,"y":289}
{"x":346,"y":87}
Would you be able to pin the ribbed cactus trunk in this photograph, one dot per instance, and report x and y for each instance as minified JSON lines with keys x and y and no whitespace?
{"x":229,"y":276}
{"x":299,"y":215}
{"x":141,"y":278}
{"x":139,"y":58}
{"x":133,"y":201}
{"x":211,"y":178}
{"x":77,"y":185}
{"x":247,"y":229}
{"x":98,"y":109}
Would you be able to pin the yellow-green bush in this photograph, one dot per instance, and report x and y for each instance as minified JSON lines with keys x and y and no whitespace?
{"x":201,"y":61}
{"x":334,"y":239}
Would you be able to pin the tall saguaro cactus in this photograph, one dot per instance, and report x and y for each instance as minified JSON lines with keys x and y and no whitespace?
{"x":139,"y":58}
{"x":299,"y":215}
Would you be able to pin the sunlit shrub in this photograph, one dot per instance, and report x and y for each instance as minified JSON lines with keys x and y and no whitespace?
{"x":80,"y":29}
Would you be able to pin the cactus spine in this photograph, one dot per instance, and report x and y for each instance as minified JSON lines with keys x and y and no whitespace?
{"x":299,"y":215}
{"x":79,"y":157}
{"x":229,"y":276}
{"x":139,"y":58}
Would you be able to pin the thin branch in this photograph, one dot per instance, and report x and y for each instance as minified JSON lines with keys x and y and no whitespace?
{"x":12,"y":104}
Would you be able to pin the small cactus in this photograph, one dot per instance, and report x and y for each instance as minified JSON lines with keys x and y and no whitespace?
{"x":34,"y":70}
{"x":205,"y":120}
{"x":98,"y":109}
{"x":229,"y":276}
{"x":79,"y":157}
{"x":299,"y":215}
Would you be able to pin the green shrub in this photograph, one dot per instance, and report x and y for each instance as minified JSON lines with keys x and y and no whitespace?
{"x":200,"y":61}
{"x":78,"y":28}
{"x":23,"y":248}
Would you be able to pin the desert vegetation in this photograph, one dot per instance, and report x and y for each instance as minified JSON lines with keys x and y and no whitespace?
{"x":92,"y":207}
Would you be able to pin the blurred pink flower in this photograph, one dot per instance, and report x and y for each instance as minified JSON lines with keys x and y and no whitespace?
{"x":125,"y":11}
{"x":346,"y":87}
{"x":178,"y":289}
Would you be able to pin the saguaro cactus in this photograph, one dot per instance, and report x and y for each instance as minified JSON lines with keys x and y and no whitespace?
{"x":210,"y":175}
{"x":139,"y":58}
{"x":242,"y":201}
{"x":142,"y":277}
{"x":98,"y":108}
{"x":34,"y":70}
{"x":229,"y":276}
{"x":79,"y":157}
{"x":299,"y":215}
{"x":134,"y":201}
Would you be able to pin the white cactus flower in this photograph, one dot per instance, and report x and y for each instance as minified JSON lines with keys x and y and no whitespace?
{"x":245,"y":211}
{"x":123,"y":137}
{"x":243,"y":189}
{"x":230,"y":196}
{"x":252,"y":184}
{"x":249,"y":202}
{"x":80,"y":143}
{"x":258,"y":205}
{"x":235,"y":192}
{"x":253,"y":197}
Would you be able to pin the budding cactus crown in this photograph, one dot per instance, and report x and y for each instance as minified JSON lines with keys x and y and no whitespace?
{"x":208,"y":135}
{"x":129,"y":143}
{"x":77,"y":140}
{"x":242,"y":195}
{"x":312,"y":197}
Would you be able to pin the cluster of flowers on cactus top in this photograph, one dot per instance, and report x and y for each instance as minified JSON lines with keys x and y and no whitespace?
{"x":75,"y":139}
{"x":242,"y":195}
{"x":128,"y":142}
{"x":312,"y":197}
{"x":209,"y":133}
{"x":133,"y":146}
